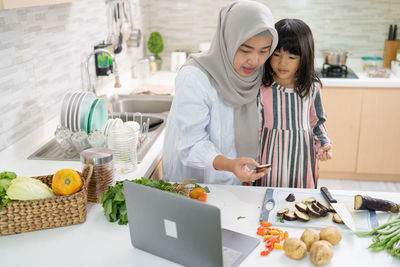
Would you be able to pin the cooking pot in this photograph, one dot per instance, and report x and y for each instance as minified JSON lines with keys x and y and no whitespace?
{"x":335,"y":57}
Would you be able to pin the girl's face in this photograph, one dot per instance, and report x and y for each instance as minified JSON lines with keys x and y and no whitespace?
{"x":251,"y":55}
{"x":285,"y":65}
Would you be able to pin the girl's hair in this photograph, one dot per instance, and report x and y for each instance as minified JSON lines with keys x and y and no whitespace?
{"x":296,"y":38}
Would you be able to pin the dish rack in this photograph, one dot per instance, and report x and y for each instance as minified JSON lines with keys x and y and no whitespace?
{"x":138,"y":117}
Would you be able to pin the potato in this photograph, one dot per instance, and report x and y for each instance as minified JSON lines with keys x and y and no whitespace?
{"x":309,"y":236}
{"x":321,"y":252}
{"x":331,"y":234}
{"x":294,"y":248}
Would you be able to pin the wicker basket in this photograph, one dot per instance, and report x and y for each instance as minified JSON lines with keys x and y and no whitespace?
{"x":25,"y":216}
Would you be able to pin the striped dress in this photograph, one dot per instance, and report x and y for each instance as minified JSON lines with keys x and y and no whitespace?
{"x":292,"y":130}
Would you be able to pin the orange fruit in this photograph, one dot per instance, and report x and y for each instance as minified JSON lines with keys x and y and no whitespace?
{"x":199,"y":194}
{"x":66,"y":182}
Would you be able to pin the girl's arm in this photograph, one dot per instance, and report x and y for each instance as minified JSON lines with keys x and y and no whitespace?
{"x":318,"y":118}
{"x":317,"y":121}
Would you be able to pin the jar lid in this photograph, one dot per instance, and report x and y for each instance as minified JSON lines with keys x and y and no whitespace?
{"x":96,"y":155}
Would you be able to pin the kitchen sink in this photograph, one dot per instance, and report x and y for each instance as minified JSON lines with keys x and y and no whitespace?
{"x":141,"y":103}
{"x":153,"y":110}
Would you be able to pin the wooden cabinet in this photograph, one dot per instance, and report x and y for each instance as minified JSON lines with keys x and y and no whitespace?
{"x":157,"y":173}
{"x":364,"y":126}
{"x":6,"y":4}
{"x":343,"y":108}
{"x":379,"y":150}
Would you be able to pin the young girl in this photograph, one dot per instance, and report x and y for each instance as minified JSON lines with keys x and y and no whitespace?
{"x":293,"y":135}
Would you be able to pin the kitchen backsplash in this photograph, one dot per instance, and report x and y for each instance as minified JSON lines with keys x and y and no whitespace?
{"x":41,"y":52}
{"x":357,"y":26}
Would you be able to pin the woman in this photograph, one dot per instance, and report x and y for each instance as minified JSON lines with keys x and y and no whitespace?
{"x":213,"y":127}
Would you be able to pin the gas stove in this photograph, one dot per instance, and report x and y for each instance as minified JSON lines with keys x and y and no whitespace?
{"x":336,"y":71}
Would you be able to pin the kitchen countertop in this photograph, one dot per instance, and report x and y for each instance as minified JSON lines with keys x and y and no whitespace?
{"x":163,"y":83}
{"x":98,"y":242}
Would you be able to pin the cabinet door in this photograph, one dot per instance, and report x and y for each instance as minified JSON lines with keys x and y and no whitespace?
{"x":5,"y":4}
{"x":379,"y":150}
{"x":343,"y":108}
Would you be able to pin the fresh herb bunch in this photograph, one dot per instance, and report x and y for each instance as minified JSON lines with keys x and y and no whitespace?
{"x":387,"y":236}
{"x":113,"y":201}
{"x":5,"y":182}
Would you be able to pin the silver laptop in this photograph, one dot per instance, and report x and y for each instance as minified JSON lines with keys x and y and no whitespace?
{"x":182,"y":230}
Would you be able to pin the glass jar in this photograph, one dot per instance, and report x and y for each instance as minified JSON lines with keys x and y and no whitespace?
{"x":142,"y":71}
{"x":122,"y":142}
{"x":103,"y":171}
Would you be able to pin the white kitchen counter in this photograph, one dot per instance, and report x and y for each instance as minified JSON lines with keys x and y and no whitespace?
{"x":163,"y":83}
{"x":98,"y":242}
{"x":363,"y":81}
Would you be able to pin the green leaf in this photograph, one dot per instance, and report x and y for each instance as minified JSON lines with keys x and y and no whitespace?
{"x":278,"y":219}
{"x":240,"y":217}
{"x":107,"y":207}
{"x":155,"y":44}
{"x":8,"y":175}
{"x":119,"y":196}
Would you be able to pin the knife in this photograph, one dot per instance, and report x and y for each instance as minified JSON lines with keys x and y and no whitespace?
{"x":340,"y":209}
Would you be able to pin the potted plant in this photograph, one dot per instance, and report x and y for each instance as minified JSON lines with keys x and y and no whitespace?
{"x":156,"y":46}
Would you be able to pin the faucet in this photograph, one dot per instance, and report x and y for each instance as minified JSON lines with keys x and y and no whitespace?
{"x":115,"y":69}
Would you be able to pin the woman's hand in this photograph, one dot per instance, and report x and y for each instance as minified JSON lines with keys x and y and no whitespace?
{"x":240,"y":168}
{"x":324,"y":152}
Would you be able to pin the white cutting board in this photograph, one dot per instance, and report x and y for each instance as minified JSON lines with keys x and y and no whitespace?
{"x":275,"y":199}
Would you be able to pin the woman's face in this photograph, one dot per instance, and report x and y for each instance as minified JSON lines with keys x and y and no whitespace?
{"x":251,"y":55}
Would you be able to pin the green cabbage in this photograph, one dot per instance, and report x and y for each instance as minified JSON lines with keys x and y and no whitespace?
{"x":27,"y":188}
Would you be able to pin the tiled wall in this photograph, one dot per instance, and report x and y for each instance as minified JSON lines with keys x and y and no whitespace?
{"x":41,"y":51}
{"x":357,"y":26}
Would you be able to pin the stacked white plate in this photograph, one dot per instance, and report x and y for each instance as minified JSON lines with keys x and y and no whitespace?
{"x":75,"y":110}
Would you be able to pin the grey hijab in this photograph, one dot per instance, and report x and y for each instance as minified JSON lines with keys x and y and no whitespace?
{"x":238,"y":22}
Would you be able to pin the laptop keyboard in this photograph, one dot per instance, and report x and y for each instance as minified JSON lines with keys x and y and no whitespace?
{"x":229,"y":256}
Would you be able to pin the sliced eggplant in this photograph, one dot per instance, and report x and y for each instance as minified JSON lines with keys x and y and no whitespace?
{"x":302,"y":216}
{"x":320,"y":211}
{"x":336,"y":218}
{"x":282,"y":212}
{"x":301,"y":206}
{"x":331,"y":209}
{"x":322,"y":206}
{"x":309,"y":200}
{"x":290,"y":198}
{"x":370,"y":203}
{"x":289,"y":216}
{"x":312,"y":211}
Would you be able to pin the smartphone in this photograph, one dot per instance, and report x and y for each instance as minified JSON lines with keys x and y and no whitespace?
{"x":261,"y":167}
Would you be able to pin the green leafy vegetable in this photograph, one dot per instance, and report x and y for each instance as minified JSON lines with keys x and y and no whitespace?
{"x":386,"y":236}
{"x":113,"y":201}
{"x":240,"y":217}
{"x":27,"y":188}
{"x":5,"y":182}
{"x":280,"y":219}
